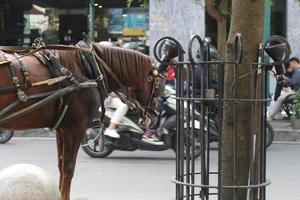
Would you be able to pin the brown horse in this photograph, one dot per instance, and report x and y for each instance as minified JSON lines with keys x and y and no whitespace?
{"x":132,"y":69}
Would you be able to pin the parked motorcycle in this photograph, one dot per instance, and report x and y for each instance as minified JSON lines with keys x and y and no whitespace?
{"x":5,"y":136}
{"x":131,"y":133}
{"x":98,"y":146}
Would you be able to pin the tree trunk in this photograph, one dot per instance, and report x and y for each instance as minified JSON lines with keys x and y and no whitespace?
{"x":220,"y":14}
{"x":222,"y":36}
{"x":247,"y":19}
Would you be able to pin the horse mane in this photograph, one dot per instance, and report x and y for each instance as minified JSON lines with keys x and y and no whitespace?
{"x":131,"y":67}
{"x":71,"y":60}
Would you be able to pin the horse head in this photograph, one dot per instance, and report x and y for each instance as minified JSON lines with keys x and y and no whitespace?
{"x":135,"y":75}
{"x":147,"y":96}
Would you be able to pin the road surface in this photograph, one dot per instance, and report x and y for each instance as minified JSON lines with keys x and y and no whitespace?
{"x":142,"y":175}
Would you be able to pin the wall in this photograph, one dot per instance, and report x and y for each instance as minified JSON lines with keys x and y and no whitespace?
{"x":293,"y":26}
{"x":177,"y":18}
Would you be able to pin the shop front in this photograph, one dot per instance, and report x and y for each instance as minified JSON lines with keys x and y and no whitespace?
{"x":64,"y":21}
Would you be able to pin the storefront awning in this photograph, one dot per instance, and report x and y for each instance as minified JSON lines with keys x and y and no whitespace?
{"x":68,"y":4}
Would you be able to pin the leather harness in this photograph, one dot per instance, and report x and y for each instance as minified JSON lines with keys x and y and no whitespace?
{"x":95,"y":68}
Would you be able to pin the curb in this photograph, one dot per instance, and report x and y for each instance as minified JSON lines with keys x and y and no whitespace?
{"x":34,"y":133}
{"x":287,"y":135}
{"x":280,"y":135}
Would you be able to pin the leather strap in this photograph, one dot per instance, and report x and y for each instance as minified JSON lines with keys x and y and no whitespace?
{"x":135,"y":105}
{"x":20,"y":93}
{"x":31,"y":50}
{"x":25,"y":72}
{"x":58,"y":70}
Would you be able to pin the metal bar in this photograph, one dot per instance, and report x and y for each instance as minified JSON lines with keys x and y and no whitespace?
{"x":203,"y":138}
{"x":91,"y":19}
{"x":231,"y":187}
{"x":264,"y":64}
{"x":234,"y":138}
{"x":180,"y":129}
{"x":182,"y":120}
{"x":193,"y":136}
{"x":216,"y":99}
{"x":207,"y":120}
{"x":264,"y":94}
{"x":219,"y":128}
{"x":178,"y":192}
{"x":251,"y":132}
{"x":188,"y":133}
{"x":190,"y":104}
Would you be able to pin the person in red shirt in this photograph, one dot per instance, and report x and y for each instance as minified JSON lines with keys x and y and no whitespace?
{"x":171,"y":75}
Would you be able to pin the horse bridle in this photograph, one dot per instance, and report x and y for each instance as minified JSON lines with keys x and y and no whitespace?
{"x":135,"y":105}
{"x":158,"y":79}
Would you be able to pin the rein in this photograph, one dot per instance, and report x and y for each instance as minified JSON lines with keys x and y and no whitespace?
{"x":32,"y":50}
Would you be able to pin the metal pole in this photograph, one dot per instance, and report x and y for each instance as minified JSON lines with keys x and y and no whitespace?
{"x":91,"y":18}
{"x":267,"y":32}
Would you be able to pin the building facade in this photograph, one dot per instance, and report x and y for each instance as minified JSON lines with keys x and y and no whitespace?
{"x":21,"y":21}
{"x":176,"y":18}
{"x":293,"y":25}
{"x":181,"y":19}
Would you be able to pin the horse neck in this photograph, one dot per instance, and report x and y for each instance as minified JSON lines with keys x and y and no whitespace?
{"x":125,"y":75}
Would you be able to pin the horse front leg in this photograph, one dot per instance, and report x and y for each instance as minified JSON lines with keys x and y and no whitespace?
{"x":71,"y":143}
{"x":59,"y":145}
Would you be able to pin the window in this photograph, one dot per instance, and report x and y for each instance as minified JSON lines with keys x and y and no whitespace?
{"x":278,"y":17}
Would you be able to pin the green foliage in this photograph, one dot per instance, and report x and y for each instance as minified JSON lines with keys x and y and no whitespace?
{"x":146,"y":2}
{"x":297,"y":105}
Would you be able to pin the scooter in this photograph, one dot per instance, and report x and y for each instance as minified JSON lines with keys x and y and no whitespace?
{"x":5,"y":136}
{"x":98,"y":146}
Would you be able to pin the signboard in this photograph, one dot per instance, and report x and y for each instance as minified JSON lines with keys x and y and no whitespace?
{"x":136,"y":21}
{"x":130,"y":24}
{"x":115,"y":21}
{"x":133,"y":32}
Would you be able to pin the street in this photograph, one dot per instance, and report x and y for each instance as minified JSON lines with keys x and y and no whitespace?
{"x":141,"y":175}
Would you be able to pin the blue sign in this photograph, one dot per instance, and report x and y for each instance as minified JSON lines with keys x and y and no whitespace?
{"x":115,"y":21}
{"x":136,"y":21}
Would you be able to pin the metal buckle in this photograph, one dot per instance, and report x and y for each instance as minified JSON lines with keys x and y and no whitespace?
{"x":15,"y":80}
{"x":157,"y":82}
{"x":21,"y":95}
{"x":66,"y":72}
{"x":100,"y":77}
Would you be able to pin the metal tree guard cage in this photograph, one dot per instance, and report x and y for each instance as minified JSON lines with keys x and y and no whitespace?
{"x":196,"y":124}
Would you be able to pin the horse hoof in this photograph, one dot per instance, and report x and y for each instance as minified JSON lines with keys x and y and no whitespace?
{"x":27,"y":182}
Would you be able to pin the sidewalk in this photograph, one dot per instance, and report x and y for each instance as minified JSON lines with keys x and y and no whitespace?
{"x":39,"y":133}
{"x":284,"y":132}
{"x":282,"y":128}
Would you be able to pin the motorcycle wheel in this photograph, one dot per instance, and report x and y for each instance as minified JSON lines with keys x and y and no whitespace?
{"x":5,"y":136}
{"x":269,"y":135}
{"x":197,"y":146}
{"x":93,"y":149}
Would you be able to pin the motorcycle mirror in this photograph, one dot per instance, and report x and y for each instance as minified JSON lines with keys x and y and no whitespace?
{"x":170,"y":51}
{"x":279,"y":50}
